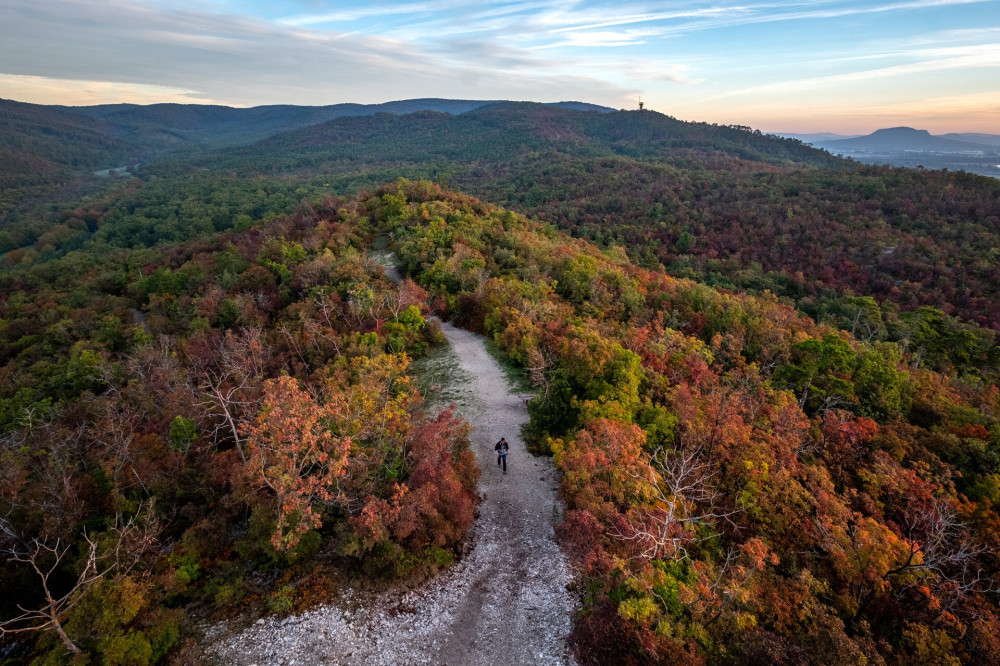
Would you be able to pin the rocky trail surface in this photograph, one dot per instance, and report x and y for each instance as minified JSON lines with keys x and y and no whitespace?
{"x":505,"y":602}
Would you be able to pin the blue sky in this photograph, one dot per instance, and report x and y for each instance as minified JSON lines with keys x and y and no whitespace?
{"x":778,"y":65}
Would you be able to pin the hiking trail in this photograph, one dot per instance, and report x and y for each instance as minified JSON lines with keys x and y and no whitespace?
{"x":505,"y":602}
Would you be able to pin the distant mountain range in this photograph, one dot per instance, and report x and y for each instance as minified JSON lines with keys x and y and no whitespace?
{"x":167,"y":125}
{"x":896,"y":139}
{"x":973,"y":137}
{"x":907,"y":139}
{"x":44,"y":145}
{"x":906,"y":146}
{"x":109,"y":131}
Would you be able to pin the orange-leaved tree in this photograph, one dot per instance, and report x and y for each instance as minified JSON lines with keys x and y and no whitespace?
{"x":292,"y":453}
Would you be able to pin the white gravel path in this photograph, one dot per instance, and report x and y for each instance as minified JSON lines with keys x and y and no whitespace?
{"x":505,"y":602}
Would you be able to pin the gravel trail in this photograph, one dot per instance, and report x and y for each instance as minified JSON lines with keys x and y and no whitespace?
{"x":505,"y":602}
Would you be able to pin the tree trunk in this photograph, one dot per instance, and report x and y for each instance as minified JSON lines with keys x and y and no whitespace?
{"x":62,"y":635}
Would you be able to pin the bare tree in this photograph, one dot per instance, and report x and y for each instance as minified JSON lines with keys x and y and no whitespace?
{"x":53,"y":457}
{"x":939,"y":552}
{"x":679,"y":484}
{"x":325,"y":309}
{"x":540,"y":360}
{"x":127,"y":543}
{"x":935,"y":531}
{"x":231,"y":386}
{"x":115,"y":436}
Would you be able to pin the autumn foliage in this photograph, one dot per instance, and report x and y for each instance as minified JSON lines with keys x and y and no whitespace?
{"x":296,"y":457}
{"x":233,"y":428}
{"x":742,"y":485}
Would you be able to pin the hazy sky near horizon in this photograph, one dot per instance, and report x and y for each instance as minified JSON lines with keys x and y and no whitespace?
{"x":849,"y":66}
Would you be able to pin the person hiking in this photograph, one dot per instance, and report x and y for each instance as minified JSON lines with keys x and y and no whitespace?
{"x":501,"y":448}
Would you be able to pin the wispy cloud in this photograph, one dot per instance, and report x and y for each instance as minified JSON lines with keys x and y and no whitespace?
{"x":685,"y":21}
{"x":925,"y":60}
{"x":44,"y":90}
{"x":367,"y":11}
{"x":242,"y":60}
{"x":601,"y":38}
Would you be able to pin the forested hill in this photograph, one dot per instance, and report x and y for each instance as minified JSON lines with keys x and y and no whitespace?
{"x":170,"y":125}
{"x":43,"y":149}
{"x":726,"y":205}
{"x":721,"y":204}
{"x":39,"y":144}
{"x":505,"y":132}
{"x":227,"y":422}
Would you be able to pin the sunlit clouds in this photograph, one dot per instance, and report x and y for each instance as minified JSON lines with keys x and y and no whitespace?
{"x":47,"y":90}
{"x":781,"y":65}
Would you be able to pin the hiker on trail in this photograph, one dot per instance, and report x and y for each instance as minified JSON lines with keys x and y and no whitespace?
{"x":501,"y":449}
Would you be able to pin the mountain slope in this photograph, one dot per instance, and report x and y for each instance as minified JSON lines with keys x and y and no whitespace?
{"x":742,"y":210}
{"x":742,"y":484}
{"x":504,"y":132}
{"x":169,"y":125}
{"x":39,"y":143}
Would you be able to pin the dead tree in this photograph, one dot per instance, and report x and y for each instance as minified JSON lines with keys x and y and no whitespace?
{"x":540,"y":360}
{"x":231,"y":386}
{"x":678,"y":483}
{"x":128,"y":542}
{"x":939,"y":552}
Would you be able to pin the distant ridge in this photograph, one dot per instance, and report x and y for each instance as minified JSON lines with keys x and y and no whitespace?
{"x":974,"y":137}
{"x":165,"y":126}
{"x":815,"y":137}
{"x":902,"y":139}
{"x":506,"y":133}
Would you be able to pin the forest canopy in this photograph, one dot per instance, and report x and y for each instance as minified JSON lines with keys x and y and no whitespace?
{"x":767,"y":377}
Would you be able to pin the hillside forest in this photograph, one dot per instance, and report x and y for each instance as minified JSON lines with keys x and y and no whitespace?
{"x":767,"y":377}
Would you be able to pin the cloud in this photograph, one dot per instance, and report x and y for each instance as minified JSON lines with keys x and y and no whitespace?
{"x":41,"y":90}
{"x":366,"y":11}
{"x":328,"y":51}
{"x":680,"y":22}
{"x":653,"y":70}
{"x":245,"y":61}
{"x":573,"y":21}
{"x":601,"y":38}
{"x":925,"y":61}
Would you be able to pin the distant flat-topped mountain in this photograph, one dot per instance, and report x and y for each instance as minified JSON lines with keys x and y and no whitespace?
{"x":902,"y":139}
{"x":909,"y":147}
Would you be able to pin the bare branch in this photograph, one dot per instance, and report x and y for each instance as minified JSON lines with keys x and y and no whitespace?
{"x":678,"y":483}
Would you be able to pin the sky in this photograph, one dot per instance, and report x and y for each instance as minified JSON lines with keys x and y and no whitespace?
{"x":846,"y":66}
